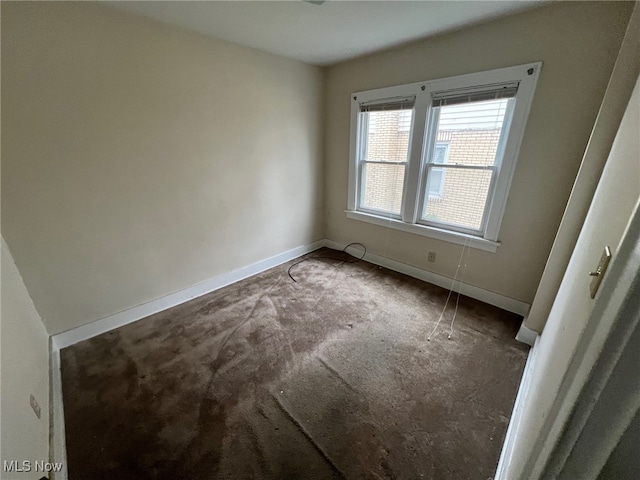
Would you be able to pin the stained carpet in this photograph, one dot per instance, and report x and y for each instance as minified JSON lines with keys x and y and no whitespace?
{"x":329,"y":377}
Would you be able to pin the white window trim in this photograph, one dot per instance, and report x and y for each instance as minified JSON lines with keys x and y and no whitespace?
{"x":447,"y":235}
{"x":526,"y":75}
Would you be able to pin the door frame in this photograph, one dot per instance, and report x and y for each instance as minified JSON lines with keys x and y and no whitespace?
{"x":614,"y":319}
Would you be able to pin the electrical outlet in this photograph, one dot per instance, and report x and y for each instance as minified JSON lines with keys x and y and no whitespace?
{"x":34,"y":405}
{"x":431,"y":257}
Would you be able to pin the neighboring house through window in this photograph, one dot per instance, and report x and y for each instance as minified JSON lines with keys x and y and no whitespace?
{"x":437,"y":157}
{"x":404,"y":121}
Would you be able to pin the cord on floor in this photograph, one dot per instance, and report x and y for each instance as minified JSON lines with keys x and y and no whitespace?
{"x":323,"y":257}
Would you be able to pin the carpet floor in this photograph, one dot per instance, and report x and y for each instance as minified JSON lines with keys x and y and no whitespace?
{"x":329,"y":377}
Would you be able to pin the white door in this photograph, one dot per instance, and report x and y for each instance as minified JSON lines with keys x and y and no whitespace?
{"x":569,"y":345}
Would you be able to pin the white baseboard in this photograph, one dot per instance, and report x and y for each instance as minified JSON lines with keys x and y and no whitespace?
{"x":84,"y":332}
{"x":106,"y":324}
{"x":492,"y":298}
{"x":526,"y":335}
{"x":59,"y":444}
{"x":508,"y":447}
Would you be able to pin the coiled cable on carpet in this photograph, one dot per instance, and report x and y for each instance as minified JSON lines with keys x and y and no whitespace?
{"x":323,"y":257}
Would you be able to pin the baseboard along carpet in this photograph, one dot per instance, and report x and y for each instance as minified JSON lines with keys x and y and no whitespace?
{"x":331,"y":376}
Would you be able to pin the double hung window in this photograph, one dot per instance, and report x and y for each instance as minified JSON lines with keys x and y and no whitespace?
{"x":437,"y":158}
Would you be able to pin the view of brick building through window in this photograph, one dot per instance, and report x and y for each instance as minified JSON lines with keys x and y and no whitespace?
{"x":465,"y":191}
{"x":387,"y":141}
{"x":468,"y":134}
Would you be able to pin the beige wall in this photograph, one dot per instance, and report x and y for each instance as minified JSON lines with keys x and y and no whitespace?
{"x":139,"y":159}
{"x":25,"y":370}
{"x":578,"y":43}
{"x":621,"y":84}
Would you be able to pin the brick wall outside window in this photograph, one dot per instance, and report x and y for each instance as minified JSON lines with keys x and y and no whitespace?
{"x":388,"y":140}
{"x":465,"y":191}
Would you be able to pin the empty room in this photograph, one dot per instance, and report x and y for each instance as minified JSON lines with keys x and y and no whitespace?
{"x":320,"y":239}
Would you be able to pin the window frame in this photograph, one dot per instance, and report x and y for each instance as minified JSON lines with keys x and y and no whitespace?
{"x":422,"y":137}
{"x":362,"y":164}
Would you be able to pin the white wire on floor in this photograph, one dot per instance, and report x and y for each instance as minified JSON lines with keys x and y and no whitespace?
{"x":464,"y":269}
{"x":466,"y":246}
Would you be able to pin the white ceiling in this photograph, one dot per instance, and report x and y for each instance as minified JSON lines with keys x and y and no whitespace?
{"x":325,"y":34}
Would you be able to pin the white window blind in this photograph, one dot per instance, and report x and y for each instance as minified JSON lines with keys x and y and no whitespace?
{"x":402,"y":103}
{"x":476,"y":94}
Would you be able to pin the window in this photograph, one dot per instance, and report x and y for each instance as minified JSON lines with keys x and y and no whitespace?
{"x":437,"y":158}
{"x":436,"y":182}
{"x":384,"y":155}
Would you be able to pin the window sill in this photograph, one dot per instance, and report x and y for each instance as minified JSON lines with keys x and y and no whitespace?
{"x":438,"y":233}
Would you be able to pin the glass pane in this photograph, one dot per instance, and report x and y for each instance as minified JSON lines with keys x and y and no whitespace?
{"x":388,"y":135}
{"x":463,"y":198}
{"x":383,"y":185}
{"x":440,"y":155}
{"x":472,"y":131}
{"x":436,"y":182}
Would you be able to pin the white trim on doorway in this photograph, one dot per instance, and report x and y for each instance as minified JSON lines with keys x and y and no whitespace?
{"x":526,"y":335}
{"x":516,"y":415}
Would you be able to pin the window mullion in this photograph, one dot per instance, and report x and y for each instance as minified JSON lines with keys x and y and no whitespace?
{"x":412,"y":178}
{"x":430,"y":142}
